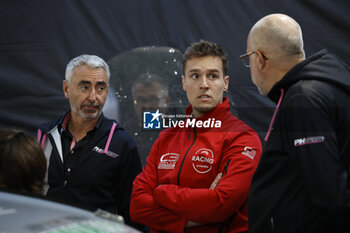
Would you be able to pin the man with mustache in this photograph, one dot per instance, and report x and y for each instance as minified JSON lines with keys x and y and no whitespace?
{"x":92,"y":161}
{"x":197,"y":177}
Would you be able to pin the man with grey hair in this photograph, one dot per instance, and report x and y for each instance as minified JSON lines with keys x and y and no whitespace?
{"x":92,"y":161}
{"x":302,"y":181}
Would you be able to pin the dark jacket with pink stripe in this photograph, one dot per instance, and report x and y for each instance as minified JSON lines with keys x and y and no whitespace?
{"x":302,"y":183}
{"x":104,"y":171}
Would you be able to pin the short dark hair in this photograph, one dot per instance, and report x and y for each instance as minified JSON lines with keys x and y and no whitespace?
{"x":22,"y":162}
{"x":205,"y":48}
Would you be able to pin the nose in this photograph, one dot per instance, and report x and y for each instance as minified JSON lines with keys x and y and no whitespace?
{"x":204,"y":83}
{"x":92,"y":95}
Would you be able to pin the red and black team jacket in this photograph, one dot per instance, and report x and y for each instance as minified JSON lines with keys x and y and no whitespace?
{"x":174,"y":185}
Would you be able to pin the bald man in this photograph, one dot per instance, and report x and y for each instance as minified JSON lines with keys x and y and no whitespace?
{"x":302,"y":181}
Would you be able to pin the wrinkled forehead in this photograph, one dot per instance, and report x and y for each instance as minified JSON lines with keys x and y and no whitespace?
{"x":90,"y":74}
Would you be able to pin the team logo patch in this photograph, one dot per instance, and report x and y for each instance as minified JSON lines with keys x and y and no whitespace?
{"x":108,"y":153}
{"x":249,"y":152}
{"x":203,"y":160}
{"x":168,"y":161}
{"x":308,"y":140}
{"x":151,"y":120}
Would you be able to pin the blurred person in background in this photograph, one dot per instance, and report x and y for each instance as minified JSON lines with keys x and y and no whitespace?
{"x":150,"y":92}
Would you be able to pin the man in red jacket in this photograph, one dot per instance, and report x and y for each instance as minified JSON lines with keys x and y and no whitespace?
{"x":198,"y":174}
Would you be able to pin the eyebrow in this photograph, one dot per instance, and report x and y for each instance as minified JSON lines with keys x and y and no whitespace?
{"x":210,"y":70}
{"x":194,"y":70}
{"x":214,"y":70}
{"x":101,"y":83}
{"x":82,"y":82}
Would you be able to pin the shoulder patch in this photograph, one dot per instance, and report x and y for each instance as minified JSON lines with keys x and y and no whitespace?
{"x":249,"y":152}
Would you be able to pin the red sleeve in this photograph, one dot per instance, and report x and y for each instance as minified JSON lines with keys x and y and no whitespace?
{"x":208,"y":206}
{"x":143,"y":209}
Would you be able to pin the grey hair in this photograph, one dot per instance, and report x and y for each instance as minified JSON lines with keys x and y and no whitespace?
{"x":92,"y":61}
{"x":283,"y":37}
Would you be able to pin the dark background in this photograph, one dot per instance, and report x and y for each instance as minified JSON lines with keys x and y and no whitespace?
{"x":39,"y":37}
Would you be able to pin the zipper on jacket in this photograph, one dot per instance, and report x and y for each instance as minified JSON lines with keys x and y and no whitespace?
{"x":225,"y":226}
{"x":274,"y":115}
{"x":225,"y":168}
{"x":182,"y":163}
{"x":224,"y":172}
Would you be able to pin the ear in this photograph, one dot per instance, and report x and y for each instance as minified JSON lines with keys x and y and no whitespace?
{"x":261,"y":60}
{"x":226,"y":82}
{"x":183,"y":82}
{"x":65,"y":85}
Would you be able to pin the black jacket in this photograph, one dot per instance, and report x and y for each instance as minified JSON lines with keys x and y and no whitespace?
{"x":104,"y":172}
{"x":302,"y":181}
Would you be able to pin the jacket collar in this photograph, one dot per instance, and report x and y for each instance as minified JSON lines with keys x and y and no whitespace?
{"x":292,"y":76}
{"x":219,"y":112}
{"x":62,"y":125}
